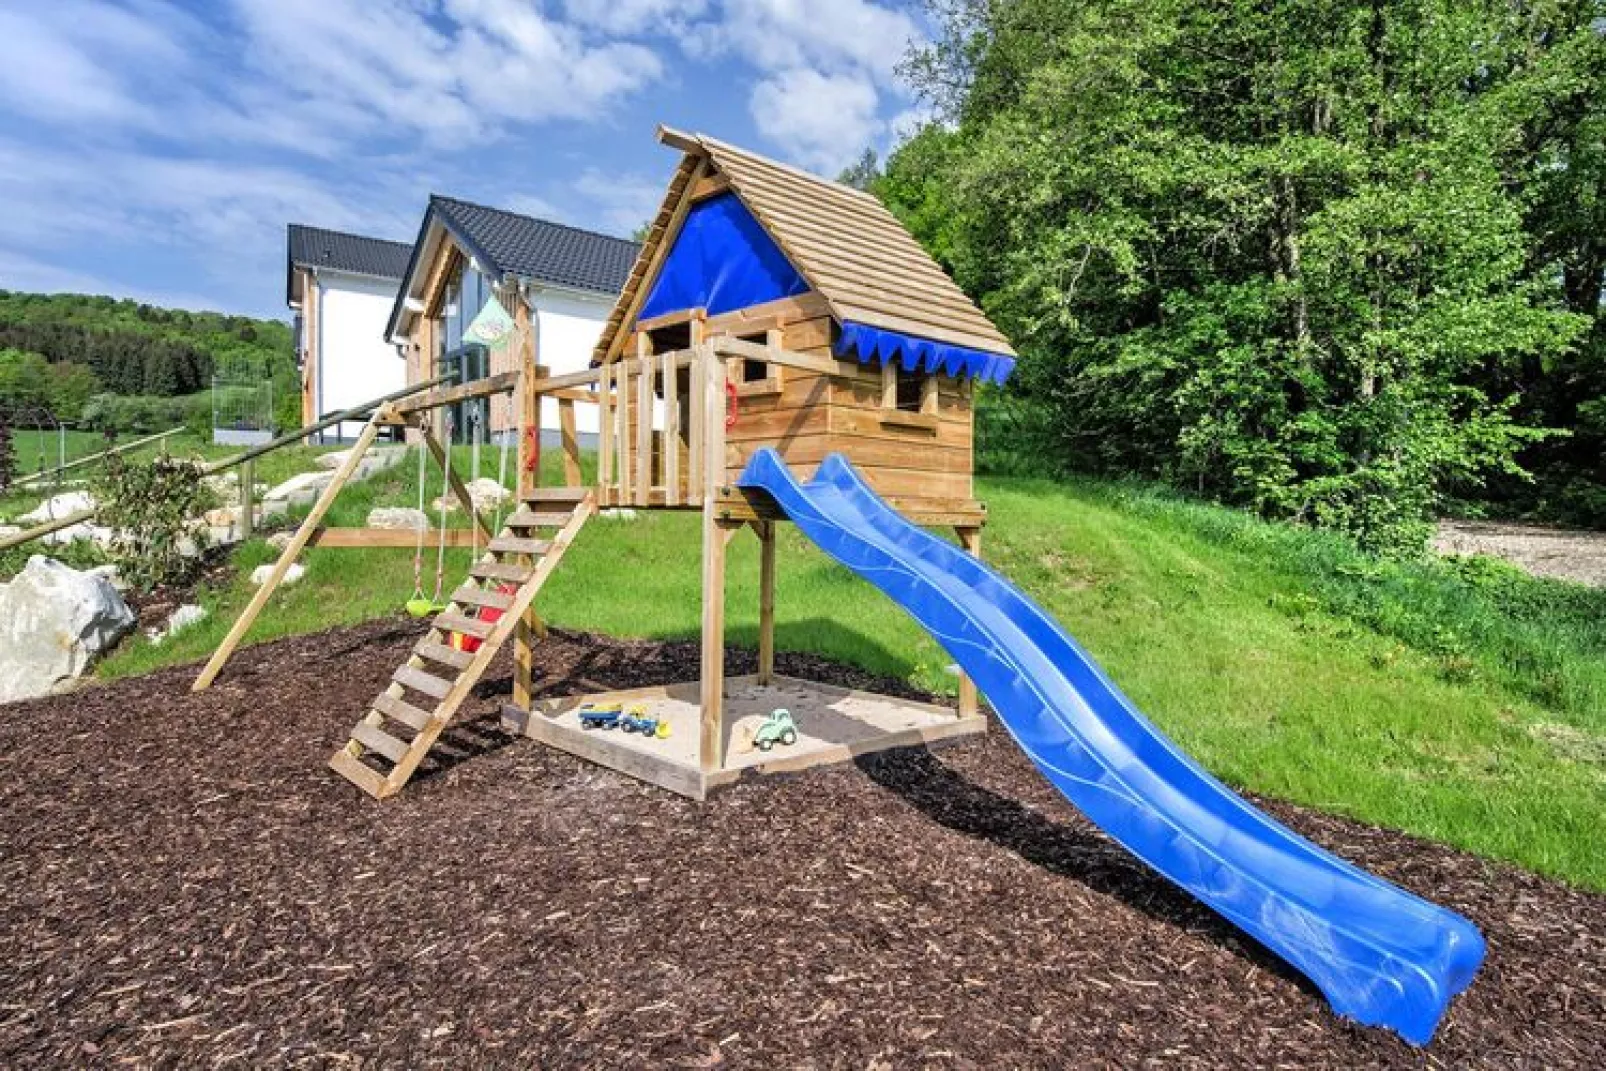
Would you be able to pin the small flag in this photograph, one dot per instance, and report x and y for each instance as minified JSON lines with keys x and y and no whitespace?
{"x":492,"y":327}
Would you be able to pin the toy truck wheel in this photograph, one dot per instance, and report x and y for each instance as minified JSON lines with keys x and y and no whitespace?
{"x":788,"y":738}
{"x":765,"y":744}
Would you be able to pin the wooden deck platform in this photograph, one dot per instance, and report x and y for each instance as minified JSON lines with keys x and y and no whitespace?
{"x":834,"y":725}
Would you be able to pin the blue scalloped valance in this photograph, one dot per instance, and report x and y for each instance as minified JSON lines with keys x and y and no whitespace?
{"x":872,"y":344}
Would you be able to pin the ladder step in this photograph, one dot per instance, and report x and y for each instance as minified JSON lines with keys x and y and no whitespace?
{"x":402,"y":710}
{"x":420,"y":681}
{"x":360,"y":774}
{"x":451,"y":622}
{"x":525,"y":518}
{"x":509,"y":571}
{"x":514,"y":545}
{"x":376,"y":739}
{"x":556,"y":494}
{"x":482,"y":597}
{"x":443,"y":655}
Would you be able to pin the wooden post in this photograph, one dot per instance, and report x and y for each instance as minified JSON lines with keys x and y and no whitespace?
{"x":671,"y":373}
{"x":710,"y":750}
{"x":643,"y":368}
{"x":571,"y":443}
{"x":248,"y":476}
{"x":766,"y":600}
{"x":621,"y":421}
{"x":970,"y":539}
{"x":605,"y":436}
{"x":529,"y":626}
{"x":292,"y":551}
{"x":527,"y":404}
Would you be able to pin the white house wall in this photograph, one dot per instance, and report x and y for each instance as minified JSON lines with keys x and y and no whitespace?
{"x":356,"y":364}
{"x":569,"y":328}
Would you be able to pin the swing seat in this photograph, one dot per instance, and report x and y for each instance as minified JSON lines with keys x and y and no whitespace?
{"x":419,"y":606}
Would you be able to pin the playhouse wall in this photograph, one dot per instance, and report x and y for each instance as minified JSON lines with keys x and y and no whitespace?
{"x":814,"y":415}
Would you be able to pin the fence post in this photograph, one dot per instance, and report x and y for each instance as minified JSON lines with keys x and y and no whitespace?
{"x":247,"y":499}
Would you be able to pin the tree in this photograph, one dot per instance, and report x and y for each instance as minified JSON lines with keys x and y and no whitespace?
{"x":8,"y":456}
{"x":1266,"y":251}
{"x":862,"y":172}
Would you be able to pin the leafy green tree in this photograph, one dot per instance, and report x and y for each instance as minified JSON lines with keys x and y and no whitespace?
{"x":1267,"y":251}
{"x":8,"y":456}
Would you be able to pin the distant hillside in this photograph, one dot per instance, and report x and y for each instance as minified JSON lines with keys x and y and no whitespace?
{"x":58,"y":350}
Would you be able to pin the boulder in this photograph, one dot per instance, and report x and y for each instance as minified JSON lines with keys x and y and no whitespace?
{"x":301,"y":486}
{"x":332,"y":460}
{"x":403,"y":518}
{"x":280,"y":540}
{"x":54,"y":622}
{"x":179,"y":620}
{"x":486,"y":493}
{"x":260,"y":574}
{"x":110,"y":574}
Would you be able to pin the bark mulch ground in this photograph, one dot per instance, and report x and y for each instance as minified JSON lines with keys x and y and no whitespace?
{"x":182,"y":882}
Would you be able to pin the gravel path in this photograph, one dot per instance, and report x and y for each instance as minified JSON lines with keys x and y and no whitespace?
{"x":1561,"y":553}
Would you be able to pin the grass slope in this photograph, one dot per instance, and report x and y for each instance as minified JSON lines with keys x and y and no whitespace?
{"x":1457,"y":703}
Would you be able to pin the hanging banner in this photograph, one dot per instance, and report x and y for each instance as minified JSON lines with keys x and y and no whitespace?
{"x":492,"y":327}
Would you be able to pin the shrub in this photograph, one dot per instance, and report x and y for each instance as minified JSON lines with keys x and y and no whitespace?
{"x":150,"y":507}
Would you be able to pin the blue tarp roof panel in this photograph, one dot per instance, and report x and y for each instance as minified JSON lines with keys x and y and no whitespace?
{"x":722,"y":260}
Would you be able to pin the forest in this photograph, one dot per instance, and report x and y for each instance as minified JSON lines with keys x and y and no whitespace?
{"x":69,"y":357}
{"x":1338,"y":262}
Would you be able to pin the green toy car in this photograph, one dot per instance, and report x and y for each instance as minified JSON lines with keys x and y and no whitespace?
{"x":778,"y":728}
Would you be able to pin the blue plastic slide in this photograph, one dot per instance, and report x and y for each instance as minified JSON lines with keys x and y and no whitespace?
{"x":1381,"y":955}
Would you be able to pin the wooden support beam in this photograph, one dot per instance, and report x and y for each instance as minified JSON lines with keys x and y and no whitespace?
{"x":291,"y":552}
{"x":711,"y":740}
{"x":671,"y":454}
{"x":605,"y":459}
{"x":466,"y":500}
{"x":766,"y":600}
{"x":387,"y":538}
{"x":642,"y":367}
{"x":970,"y":539}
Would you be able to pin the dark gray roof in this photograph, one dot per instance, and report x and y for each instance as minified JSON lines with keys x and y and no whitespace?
{"x":510,"y":244}
{"x":313,"y":247}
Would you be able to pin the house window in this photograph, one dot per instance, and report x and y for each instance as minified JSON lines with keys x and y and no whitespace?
{"x":910,"y":392}
{"x":908,"y":398}
{"x":754,"y":371}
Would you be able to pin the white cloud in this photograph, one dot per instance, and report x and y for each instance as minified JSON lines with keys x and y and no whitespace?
{"x":833,"y":35}
{"x":619,"y":203}
{"x":21,"y":272}
{"x":822,"y":121}
{"x":73,"y":62}
{"x":633,"y":18}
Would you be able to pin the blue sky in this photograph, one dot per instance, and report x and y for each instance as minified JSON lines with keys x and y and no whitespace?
{"x":155,"y":149}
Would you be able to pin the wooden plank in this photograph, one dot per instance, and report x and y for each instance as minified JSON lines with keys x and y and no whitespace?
{"x":709,"y":186}
{"x":471,"y":596}
{"x":598,"y":748}
{"x":572,"y":495}
{"x":643,"y":369}
{"x":419,"y":681}
{"x":516,"y":545}
{"x":524,"y":517}
{"x":464,"y":499}
{"x":443,"y":655}
{"x":358,"y":773}
{"x":512,"y":572}
{"x":739,"y":505}
{"x":671,"y":453}
{"x":545,"y":383}
{"x":376,"y":739}
{"x":605,"y":459}
{"x":527,"y":401}
{"x":500,"y":383}
{"x":292,"y":551}
{"x":621,"y":429}
{"x":393,"y":538}
{"x":970,"y":539}
{"x":571,"y":442}
{"x":669,"y":319}
{"x":401,"y":710}
{"x":469,"y":626}
{"x":766,"y":601}
{"x":824,"y":365}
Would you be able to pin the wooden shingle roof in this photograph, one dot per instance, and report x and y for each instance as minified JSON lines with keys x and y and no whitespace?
{"x":844,"y":242}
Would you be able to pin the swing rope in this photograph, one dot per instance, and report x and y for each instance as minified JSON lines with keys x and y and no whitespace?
{"x":446,"y":489}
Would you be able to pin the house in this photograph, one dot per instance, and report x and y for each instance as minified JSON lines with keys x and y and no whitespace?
{"x":341,"y":288}
{"x":557,"y":282}
{"x":775,"y":259}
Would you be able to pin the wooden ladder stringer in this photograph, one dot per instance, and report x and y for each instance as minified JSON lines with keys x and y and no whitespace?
{"x":372,"y":736}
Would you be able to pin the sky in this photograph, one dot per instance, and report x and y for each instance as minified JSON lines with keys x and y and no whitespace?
{"x":156,"y":149}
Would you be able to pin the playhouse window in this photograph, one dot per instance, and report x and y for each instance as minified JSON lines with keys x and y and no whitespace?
{"x":910,"y":392}
{"x":754,"y":371}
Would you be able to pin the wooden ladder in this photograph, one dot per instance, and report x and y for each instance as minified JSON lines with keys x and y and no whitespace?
{"x":390,"y":741}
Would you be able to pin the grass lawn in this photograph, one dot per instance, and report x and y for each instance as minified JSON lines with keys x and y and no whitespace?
{"x":1461,"y":703}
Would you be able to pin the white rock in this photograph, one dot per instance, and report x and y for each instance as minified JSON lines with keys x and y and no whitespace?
{"x":617,"y":514}
{"x":404,"y":518}
{"x":260,"y":574}
{"x":58,"y":506}
{"x":301,"y":484}
{"x":280,"y":540}
{"x":179,"y":620}
{"x":8,"y":530}
{"x":486,"y":493}
{"x":333,"y":460}
{"x":54,"y":621}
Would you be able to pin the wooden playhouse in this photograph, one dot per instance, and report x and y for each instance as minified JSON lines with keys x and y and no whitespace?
{"x":767,"y":308}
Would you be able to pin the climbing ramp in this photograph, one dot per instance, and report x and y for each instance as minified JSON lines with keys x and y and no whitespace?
{"x":401,"y":725}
